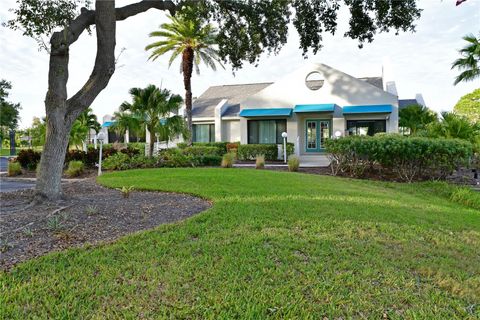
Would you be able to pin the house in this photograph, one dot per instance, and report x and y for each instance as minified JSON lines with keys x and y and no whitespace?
{"x":311,"y":104}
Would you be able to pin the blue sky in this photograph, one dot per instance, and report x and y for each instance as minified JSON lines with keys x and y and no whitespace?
{"x":419,"y":62}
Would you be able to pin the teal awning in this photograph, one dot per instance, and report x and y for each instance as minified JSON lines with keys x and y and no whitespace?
{"x":274,"y":112}
{"x":304,"y":108}
{"x":380,"y":108}
{"x":107,"y":124}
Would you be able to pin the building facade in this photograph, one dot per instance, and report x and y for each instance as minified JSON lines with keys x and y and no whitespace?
{"x":311,"y":104}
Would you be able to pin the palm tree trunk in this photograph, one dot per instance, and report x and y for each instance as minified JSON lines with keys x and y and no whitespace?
{"x":187,"y":63}
{"x":152,"y":140}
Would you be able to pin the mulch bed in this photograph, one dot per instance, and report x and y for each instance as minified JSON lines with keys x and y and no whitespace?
{"x":90,"y":214}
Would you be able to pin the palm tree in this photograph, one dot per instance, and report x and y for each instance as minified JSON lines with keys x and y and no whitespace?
{"x":80,"y":131}
{"x":153,"y":108}
{"x":416,"y":117}
{"x":456,"y":127}
{"x":195,"y":42}
{"x":469,"y":64}
{"x":125,"y":121}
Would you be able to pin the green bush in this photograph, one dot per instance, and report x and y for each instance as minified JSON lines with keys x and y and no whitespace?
{"x":29,"y":158}
{"x":208,"y":161}
{"x":228,"y":160}
{"x":14,"y":169}
{"x":250,"y":151}
{"x":221,"y":146}
{"x":405,"y":158}
{"x":175,"y":158}
{"x":75,"y":168}
{"x":197,"y":151}
{"x":293,"y":163}
{"x":117,"y":161}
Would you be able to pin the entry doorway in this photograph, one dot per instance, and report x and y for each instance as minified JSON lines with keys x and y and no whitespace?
{"x":316,"y":132}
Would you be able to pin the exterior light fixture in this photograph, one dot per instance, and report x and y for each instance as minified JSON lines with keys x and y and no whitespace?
{"x":284,"y":136}
{"x":338,"y":134}
{"x":100,"y":138}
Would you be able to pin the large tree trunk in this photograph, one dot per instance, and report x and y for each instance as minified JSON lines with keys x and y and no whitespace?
{"x":53,"y":156}
{"x":60,"y":110}
{"x":187,"y":63}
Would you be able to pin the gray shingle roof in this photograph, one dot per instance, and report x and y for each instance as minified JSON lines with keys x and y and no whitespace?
{"x":204,"y":106}
{"x":403,"y":103}
{"x":374,"y":81}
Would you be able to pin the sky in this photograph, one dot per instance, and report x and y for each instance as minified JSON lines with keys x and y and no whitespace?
{"x":419,"y":62}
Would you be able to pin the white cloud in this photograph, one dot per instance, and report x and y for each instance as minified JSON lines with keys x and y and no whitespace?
{"x":421,"y":61}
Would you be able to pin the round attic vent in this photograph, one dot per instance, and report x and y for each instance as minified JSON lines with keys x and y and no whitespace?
{"x":314,"y":80}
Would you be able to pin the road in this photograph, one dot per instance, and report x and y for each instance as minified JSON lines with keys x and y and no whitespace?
{"x":3,"y":164}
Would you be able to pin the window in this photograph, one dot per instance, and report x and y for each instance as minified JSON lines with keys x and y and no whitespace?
{"x":203,"y":133}
{"x":314,"y":80}
{"x":366,"y":127}
{"x":266,"y":131}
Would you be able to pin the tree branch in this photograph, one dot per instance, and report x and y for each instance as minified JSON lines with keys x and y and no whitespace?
{"x":105,"y":59}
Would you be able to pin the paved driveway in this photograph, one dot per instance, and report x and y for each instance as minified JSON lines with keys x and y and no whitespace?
{"x":3,"y":164}
{"x":14,"y":185}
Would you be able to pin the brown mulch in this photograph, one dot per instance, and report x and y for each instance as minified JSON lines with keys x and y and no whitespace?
{"x":90,"y":214}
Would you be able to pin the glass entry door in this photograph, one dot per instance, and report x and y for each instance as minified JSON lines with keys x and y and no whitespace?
{"x":316,"y":131}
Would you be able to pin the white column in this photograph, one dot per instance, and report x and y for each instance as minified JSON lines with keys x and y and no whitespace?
{"x":219,"y":109}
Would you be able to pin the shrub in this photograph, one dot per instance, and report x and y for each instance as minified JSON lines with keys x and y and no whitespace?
{"x":197,"y":151}
{"x":118,"y":161}
{"x":293,"y":163}
{"x":405,"y":158}
{"x":250,"y":151}
{"x":14,"y":169}
{"x":232,"y":147}
{"x":75,"y":168}
{"x":75,"y":155}
{"x":141,"y":161}
{"x":228,"y":160}
{"x":260,"y":161}
{"x":208,"y":160}
{"x":130,"y":151}
{"x":29,"y":158}
{"x":221,"y":146}
{"x":175,"y":158}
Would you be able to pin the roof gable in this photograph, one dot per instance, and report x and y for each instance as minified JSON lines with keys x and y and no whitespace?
{"x":338,"y":87}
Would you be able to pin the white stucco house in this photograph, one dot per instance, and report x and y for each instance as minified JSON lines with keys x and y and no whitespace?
{"x":311,"y":104}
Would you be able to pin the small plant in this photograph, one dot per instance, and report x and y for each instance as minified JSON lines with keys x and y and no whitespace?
{"x":28,"y":232}
{"x":5,"y":245}
{"x":54,"y":223}
{"x":260,"y":161}
{"x":228,"y":160}
{"x":293,"y":163}
{"x":126,"y":191}
{"x":75,"y":168}
{"x":14,"y":169}
{"x":91,"y":210}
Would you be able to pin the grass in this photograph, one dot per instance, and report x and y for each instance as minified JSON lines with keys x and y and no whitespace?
{"x":274,"y":245}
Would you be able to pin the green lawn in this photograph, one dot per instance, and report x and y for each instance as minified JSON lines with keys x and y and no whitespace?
{"x":274,"y":245}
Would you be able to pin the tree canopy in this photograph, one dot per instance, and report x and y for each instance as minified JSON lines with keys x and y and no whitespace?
{"x":9,"y":112}
{"x":469,"y":63}
{"x":416,"y":117}
{"x":469,"y":106}
{"x":246,"y":28}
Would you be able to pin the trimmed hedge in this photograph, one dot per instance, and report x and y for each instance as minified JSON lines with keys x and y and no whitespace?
{"x":270,"y":151}
{"x":198,"y":151}
{"x":405,"y":158}
{"x":221,"y":146}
